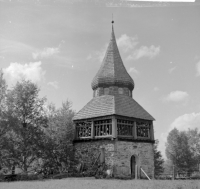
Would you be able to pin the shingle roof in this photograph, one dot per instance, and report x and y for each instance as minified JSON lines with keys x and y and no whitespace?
{"x":109,"y":105}
{"x":112,"y":71}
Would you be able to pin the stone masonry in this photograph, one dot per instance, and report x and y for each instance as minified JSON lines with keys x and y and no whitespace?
{"x":117,"y":155}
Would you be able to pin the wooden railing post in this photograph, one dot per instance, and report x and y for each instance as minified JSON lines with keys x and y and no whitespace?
{"x":151,"y":131}
{"x":114,"y":127}
{"x":135,"y":130}
{"x":75,"y":133}
{"x":92,"y":129}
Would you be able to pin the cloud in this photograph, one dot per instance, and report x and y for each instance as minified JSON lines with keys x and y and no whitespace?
{"x":144,"y":51}
{"x":198,"y":68}
{"x":98,"y":55}
{"x":54,"y":84}
{"x":127,"y":43}
{"x":163,"y":136}
{"x":46,"y":52}
{"x":89,"y":57}
{"x":172,"y":69}
{"x":182,"y":123}
{"x":9,"y":48}
{"x":128,"y":46}
{"x":31,"y":71}
{"x":176,"y":96}
{"x":133,"y":70}
{"x":156,"y":89}
{"x":186,"y":121}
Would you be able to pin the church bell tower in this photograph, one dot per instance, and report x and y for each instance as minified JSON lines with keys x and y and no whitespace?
{"x":114,"y":121}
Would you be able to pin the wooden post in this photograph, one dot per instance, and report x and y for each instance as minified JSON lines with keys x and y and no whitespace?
{"x":114,"y":127}
{"x":151,"y":131}
{"x":136,"y":172}
{"x":92,"y":130}
{"x":75,"y":134}
{"x":145,"y":173}
{"x":135,"y":130}
{"x":153,"y":173}
{"x":173,"y":174}
{"x":102,"y":156}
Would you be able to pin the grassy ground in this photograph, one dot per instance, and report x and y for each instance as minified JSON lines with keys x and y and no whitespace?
{"x":90,"y":183}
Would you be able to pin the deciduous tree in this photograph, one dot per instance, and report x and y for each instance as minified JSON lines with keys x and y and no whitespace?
{"x":26,"y":120}
{"x":178,"y":150}
{"x":58,"y":149}
{"x":3,"y":125}
{"x":194,"y":144}
{"x":158,"y":160}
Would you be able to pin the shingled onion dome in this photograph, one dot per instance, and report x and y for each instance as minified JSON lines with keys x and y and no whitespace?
{"x":112,"y":71}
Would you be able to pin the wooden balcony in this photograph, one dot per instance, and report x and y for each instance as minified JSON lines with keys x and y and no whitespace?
{"x":114,"y":128}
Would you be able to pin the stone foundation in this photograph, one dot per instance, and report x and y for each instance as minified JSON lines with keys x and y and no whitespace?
{"x":117,"y":155}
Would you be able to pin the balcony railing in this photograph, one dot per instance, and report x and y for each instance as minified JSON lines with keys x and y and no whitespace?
{"x":108,"y":128}
{"x":124,"y":127}
{"x":103,"y":128}
{"x":84,"y":130}
{"x":143,"y":130}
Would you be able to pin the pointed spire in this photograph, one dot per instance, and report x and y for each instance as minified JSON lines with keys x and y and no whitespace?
{"x":112,"y":71}
{"x":112,"y":34}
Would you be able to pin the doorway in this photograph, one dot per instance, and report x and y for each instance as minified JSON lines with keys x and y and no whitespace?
{"x":133,"y":163}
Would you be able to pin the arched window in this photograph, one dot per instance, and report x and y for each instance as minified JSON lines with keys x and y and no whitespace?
{"x":106,"y":91}
{"x":120,"y":91}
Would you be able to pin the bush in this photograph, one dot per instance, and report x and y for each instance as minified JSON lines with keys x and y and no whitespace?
{"x":24,"y":177}
{"x":195,"y":175}
{"x":164,"y":177}
{"x":60,"y":176}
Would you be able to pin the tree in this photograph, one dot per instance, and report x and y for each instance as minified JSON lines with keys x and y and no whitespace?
{"x":194,"y":144}
{"x":158,"y":160}
{"x":178,"y":150}
{"x":59,"y":135}
{"x":26,"y":120}
{"x":3,"y":128}
{"x":168,"y":167}
{"x":172,"y":145}
{"x":3,"y":91}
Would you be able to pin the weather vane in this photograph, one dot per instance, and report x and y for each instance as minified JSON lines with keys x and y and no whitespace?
{"x":112,"y":19}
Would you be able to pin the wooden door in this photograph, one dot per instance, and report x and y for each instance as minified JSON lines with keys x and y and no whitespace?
{"x":133,"y":163}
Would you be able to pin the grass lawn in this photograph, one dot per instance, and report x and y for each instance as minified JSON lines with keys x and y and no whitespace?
{"x":90,"y":183}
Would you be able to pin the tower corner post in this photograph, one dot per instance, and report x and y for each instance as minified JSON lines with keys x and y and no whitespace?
{"x":92,"y":129}
{"x":135,"y":130}
{"x":151,"y":131}
{"x":114,"y":127}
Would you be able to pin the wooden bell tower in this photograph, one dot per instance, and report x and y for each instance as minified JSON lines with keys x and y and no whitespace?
{"x":113,"y":120}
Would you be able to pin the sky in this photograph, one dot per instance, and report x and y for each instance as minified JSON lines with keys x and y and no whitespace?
{"x":60,"y":46}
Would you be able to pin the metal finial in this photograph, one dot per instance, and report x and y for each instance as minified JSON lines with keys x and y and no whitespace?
{"x":112,"y":20}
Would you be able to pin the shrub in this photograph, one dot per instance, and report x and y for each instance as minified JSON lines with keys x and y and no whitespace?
{"x":195,"y":175}
{"x":26,"y":177}
{"x":164,"y":177}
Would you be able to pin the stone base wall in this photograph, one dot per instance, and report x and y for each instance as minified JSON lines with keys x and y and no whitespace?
{"x":87,"y":152}
{"x":117,"y":155}
{"x":143,"y":153}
